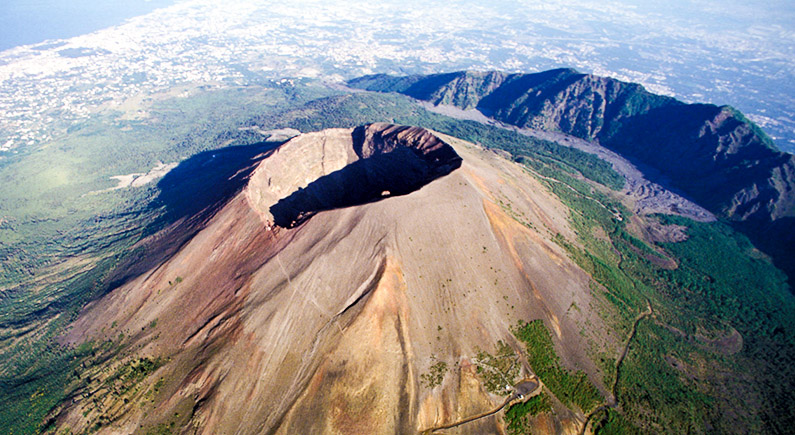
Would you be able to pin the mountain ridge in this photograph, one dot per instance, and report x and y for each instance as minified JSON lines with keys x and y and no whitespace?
{"x":713,"y":154}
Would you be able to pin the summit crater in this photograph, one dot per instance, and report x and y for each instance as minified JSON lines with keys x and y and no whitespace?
{"x":342,"y":167}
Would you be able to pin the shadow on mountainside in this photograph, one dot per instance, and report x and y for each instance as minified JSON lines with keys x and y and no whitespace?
{"x":775,"y":239}
{"x":199,"y":185}
{"x":188,"y":196}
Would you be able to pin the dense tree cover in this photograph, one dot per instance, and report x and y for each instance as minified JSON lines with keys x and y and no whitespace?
{"x":718,"y":352}
{"x":572,"y":387}
{"x":518,"y":416}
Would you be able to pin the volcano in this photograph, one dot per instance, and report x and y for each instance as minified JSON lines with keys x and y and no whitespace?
{"x":353,"y":285}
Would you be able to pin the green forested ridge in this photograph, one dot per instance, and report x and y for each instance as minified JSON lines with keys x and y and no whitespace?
{"x":685,"y":370}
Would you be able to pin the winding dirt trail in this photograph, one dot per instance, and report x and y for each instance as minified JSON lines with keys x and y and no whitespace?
{"x":519,"y":394}
{"x":613,"y":401}
{"x":468,"y":419}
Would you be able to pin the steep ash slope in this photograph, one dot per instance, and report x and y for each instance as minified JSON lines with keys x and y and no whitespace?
{"x":713,"y":154}
{"x":318,"y":298}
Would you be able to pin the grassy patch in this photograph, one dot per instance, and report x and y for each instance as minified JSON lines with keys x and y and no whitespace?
{"x":435,"y":374}
{"x":130,"y":374}
{"x":499,"y":370}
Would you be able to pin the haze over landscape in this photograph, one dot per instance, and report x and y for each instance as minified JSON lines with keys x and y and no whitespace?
{"x":738,"y":53}
{"x":403,"y":217}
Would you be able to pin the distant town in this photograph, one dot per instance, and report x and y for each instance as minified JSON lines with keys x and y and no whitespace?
{"x":49,"y":87}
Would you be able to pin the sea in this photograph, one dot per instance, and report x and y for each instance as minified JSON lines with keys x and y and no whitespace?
{"x":24,"y":22}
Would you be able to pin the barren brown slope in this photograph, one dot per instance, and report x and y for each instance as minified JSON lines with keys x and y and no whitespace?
{"x":321,"y":317}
